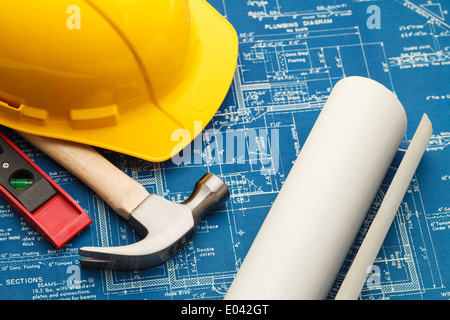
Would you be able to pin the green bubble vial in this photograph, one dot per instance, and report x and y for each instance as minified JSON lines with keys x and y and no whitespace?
{"x":21,"y":180}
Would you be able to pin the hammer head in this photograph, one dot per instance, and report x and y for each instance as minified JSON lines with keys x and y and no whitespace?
{"x":165,"y":227}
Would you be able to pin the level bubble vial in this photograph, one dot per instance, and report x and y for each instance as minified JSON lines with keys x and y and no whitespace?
{"x":21,"y":179}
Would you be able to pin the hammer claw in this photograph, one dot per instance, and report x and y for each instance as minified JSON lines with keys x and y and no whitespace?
{"x":144,"y":254}
{"x":166,"y":228}
{"x":98,"y":264}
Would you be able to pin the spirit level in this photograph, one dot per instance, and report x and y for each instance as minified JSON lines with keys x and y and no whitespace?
{"x":37,"y":198}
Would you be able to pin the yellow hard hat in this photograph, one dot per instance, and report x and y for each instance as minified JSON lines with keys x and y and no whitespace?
{"x":118,"y":74}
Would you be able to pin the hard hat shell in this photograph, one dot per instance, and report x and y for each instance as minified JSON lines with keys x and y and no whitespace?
{"x":120,"y":75}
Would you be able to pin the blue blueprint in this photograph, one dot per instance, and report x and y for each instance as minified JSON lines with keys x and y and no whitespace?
{"x":291,"y":54}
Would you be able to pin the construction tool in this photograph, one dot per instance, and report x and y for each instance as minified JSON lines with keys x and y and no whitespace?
{"x":39,"y":200}
{"x":125,"y":79}
{"x":165,"y":227}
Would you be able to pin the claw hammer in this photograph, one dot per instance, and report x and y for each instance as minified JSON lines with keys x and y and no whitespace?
{"x":166,"y":227}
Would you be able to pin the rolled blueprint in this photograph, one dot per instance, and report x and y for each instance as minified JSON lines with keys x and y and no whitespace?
{"x":313,"y":222}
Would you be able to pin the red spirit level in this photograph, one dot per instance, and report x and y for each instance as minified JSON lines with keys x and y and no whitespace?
{"x":37,"y":198}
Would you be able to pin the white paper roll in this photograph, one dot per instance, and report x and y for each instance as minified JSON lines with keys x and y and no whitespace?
{"x":368,"y":251}
{"x":309,"y":230}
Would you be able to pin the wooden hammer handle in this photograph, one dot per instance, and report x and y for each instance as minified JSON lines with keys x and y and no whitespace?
{"x":120,"y":191}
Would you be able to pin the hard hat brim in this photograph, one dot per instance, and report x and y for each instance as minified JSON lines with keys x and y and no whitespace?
{"x":156,"y":133}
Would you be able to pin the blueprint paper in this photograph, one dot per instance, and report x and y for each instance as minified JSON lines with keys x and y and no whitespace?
{"x":291,"y":54}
